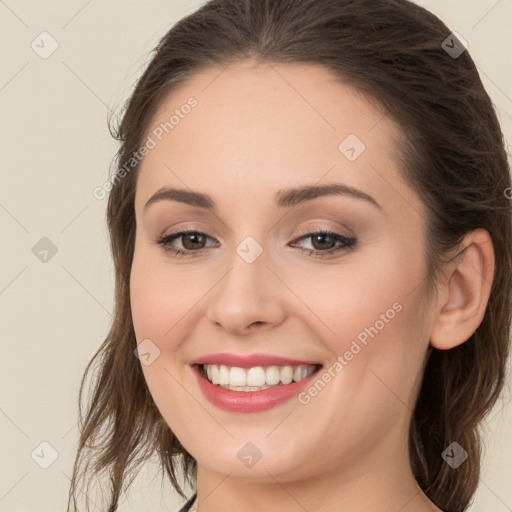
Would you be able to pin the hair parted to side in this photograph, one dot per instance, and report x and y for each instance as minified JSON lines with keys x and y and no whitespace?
{"x":452,"y":154}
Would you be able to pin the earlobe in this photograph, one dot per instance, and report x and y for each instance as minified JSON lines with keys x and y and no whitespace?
{"x":463,"y":300}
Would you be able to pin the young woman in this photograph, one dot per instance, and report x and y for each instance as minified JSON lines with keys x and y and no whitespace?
{"x":313,"y":250}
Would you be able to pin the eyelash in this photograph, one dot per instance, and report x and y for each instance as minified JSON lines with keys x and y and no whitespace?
{"x":347,"y":242}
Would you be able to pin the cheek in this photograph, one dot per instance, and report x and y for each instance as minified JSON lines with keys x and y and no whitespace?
{"x":159,"y":298}
{"x":372,"y":312}
{"x":362,"y":295}
{"x":147,"y":302}
{"x":157,"y":306}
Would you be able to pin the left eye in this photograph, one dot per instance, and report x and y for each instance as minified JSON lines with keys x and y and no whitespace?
{"x":193,"y":242}
{"x":318,"y":239}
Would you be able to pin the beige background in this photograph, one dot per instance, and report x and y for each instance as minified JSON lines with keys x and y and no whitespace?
{"x":55,"y":148}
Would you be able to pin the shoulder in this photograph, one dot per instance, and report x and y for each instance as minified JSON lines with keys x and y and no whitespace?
{"x":188,"y":504}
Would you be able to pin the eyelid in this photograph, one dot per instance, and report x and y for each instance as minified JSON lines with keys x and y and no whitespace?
{"x":304,"y":231}
{"x":348,"y":242}
{"x":324,"y":229}
{"x":186,"y":229}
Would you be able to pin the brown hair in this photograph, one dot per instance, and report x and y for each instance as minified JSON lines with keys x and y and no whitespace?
{"x":452,"y":154}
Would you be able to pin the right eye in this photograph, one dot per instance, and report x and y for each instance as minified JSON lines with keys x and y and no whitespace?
{"x":189,"y":238}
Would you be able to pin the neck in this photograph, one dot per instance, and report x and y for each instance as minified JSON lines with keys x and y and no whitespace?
{"x":380,"y":485}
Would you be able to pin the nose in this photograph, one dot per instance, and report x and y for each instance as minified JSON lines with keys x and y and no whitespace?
{"x":247,"y":298}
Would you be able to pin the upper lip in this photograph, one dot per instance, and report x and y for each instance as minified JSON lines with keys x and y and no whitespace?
{"x":249,"y":361}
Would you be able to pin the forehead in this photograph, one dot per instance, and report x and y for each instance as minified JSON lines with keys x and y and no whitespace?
{"x":268,"y":126}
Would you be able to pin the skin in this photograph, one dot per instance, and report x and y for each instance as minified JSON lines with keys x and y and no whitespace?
{"x":258,"y":129}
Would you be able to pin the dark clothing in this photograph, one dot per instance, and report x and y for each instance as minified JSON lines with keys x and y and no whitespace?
{"x":187,"y":505}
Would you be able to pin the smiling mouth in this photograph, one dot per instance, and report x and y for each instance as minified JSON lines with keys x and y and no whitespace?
{"x":257,"y":378}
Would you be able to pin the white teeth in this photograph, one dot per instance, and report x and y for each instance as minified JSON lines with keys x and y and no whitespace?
{"x":223,"y":375}
{"x":213,"y":376}
{"x":237,"y":377}
{"x":286,"y":374}
{"x":257,"y":377}
{"x":272,"y":376}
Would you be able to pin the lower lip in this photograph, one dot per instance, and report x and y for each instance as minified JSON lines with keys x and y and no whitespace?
{"x":249,"y":401}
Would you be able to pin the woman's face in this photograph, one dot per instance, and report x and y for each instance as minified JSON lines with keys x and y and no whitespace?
{"x":251,"y":285}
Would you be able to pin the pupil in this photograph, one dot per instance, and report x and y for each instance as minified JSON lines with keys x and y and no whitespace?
{"x":192,"y":236}
{"x":321,"y":238}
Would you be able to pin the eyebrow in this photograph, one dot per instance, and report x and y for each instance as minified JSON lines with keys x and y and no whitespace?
{"x":285,"y":198}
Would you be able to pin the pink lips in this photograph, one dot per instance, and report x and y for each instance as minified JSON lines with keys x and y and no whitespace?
{"x":248,"y":401}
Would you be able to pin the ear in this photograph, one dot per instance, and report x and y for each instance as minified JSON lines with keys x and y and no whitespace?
{"x":463,"y":296}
